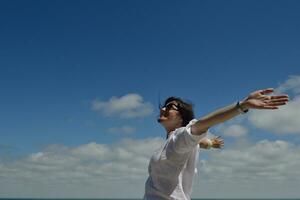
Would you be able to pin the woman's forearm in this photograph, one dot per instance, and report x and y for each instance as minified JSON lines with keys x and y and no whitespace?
{"x":220,"y":115}
{"x":216,"y":117}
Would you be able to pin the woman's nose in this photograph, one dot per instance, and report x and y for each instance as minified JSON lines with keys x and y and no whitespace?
{"x":162,"y":110}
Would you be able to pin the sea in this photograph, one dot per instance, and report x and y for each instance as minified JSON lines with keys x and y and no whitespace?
{"x":134,"y":199}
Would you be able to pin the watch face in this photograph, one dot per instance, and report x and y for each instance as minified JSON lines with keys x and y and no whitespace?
{"x":240,"y":108}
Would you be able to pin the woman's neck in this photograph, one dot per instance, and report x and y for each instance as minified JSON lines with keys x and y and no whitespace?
{"x":170,"y":130}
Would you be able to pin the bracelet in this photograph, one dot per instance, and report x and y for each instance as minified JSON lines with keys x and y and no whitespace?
{"x":241,"y":111}
{"x":209,"y":143}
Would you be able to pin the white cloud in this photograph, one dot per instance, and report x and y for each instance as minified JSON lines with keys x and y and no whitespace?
{"x":266,"y":169}
{"x":90,"y":170}
{"x":273,"y":160}
{"x":285,"y":120}
{"x":127,"y":106}
{"x":122,"y":129}
{"x":292,"y":84}
{"x":235,"y":130}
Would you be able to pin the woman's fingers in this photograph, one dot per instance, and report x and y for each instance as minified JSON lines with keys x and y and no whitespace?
{"x":270,"y":103}
{"x":221,"y":145}
{"x":280,"y":97}
{"x":215,"y":138}
{"x":267,"y":91}
{"x":270,"y":107}
{"x":217,"y":142}
{"x":261,"y":100}
{"x":275,"y":102}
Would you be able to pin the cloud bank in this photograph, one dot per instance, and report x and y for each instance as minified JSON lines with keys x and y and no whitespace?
{"x":265,"y":169}
{"x":90,"y":170}
{"x":96,"y":170}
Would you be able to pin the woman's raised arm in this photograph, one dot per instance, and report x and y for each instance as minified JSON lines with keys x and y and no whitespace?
{"x":255,"y":100}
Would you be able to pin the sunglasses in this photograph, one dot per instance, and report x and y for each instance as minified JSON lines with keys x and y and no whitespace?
{"x":171,"y":106}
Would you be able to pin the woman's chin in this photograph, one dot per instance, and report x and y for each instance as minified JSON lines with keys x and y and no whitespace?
{"x":161,"y":119}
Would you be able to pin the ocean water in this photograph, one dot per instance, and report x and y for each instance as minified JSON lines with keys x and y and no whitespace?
{"x":131,"y":199}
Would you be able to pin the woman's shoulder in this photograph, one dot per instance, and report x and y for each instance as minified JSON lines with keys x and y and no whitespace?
{"x":184,"y":128}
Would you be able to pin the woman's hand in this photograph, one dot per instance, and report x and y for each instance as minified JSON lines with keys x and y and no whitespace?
{"x":217,"y":142}
{"x":260,"y":100}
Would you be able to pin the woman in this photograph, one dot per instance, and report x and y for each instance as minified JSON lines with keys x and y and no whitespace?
{"x":172,"y":168}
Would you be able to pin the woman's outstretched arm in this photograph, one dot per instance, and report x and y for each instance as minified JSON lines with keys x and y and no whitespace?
{"x":255,"y":100}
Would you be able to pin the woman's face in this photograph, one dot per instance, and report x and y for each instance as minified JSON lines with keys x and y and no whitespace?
{"x":169,"y":116}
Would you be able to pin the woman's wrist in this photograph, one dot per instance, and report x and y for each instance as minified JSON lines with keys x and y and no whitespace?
{"x":242,"y":106}
{"x":209,"y":143}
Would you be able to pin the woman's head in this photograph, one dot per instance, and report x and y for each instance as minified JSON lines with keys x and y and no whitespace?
{"x":175,"y":113}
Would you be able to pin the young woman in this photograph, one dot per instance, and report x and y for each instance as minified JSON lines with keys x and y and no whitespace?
{"x":172,"y":168}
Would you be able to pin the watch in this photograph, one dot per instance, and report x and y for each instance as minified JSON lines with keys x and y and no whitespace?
{"x":240,"y":109}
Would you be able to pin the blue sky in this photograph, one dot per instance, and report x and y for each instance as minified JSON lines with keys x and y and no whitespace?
{"x":59,"y":58}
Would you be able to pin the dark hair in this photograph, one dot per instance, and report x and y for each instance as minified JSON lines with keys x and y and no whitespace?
{"x":185,"y":109}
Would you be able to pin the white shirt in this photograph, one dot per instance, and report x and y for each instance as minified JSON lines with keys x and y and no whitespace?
{"x":172,"y":168}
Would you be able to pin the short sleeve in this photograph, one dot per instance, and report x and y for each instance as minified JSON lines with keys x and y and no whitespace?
{"x":195,"y":137}
{"x":183,"y":140}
